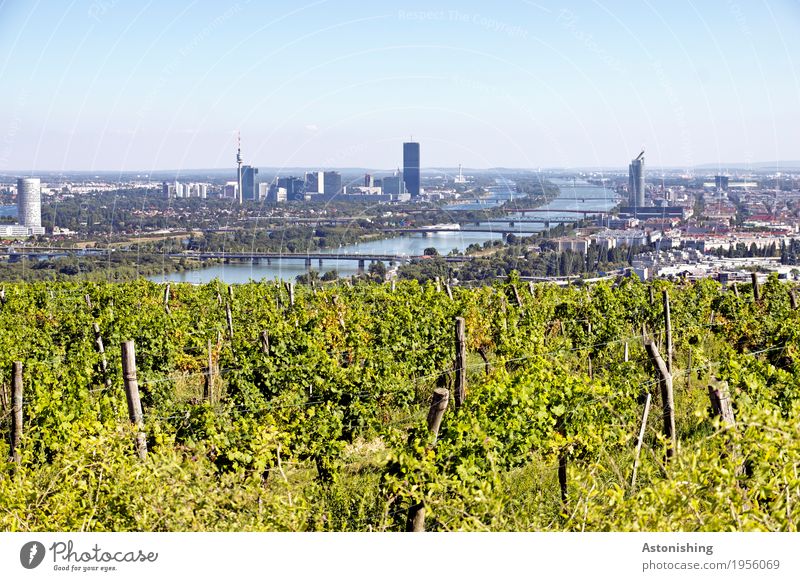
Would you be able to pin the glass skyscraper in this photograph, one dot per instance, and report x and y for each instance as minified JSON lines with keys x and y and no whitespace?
{"x":636,"y":182}
{"x":411,"y":167}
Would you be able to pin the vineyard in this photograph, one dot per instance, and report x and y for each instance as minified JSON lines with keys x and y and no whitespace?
{"x":390,"y":407}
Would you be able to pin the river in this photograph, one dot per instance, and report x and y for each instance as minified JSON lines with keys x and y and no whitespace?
{"x":572,"y":196}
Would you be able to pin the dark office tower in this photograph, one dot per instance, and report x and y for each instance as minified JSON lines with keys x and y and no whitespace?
{"x":411,"y":167}
{"x":249,"y":187}
{"x":721,"y":182}
{"x":368,"y":181}
{"x":332,"y":181}
{"x":636,"y":182}
{"x":295,"y":187}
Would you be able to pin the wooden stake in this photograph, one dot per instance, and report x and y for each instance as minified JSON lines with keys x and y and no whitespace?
{"x":230,"y":291}
{"x":793,"y":299}
{"x":667,"y":330}
{"x":448,"y":290}
{"x":394,"y":285}
{"x":88,"y":300}
{"x":530,"y":287}
{"x":461,"y":362}
{"x":689,"y":370}
{"x":132,"y":395}
{"x":166,"y":299}
{"x":16,"y":417}
{"x":98,"y":345}
{"x":416,"y":518}
{"x":438,"y":285}
{"x":754,"y":278}
{"x":639,"y":441}
{"x":721,"y":403}
{"x":441,"y":397}
{"x":290,"y":291}
{"x":416,"y":512}
{"x":626,"y":355}
{"x":482,"y":353}
{"x":517,"y":298}
{"x":721,"y":406}
{"x":229,"y":318}
{"x":652,"y":295}
{"x":589,"y":356}
{"x":667,"y":399}
{"x":735,"y":290}
{"x":208,"y":387}
{"x":265,"y":342}
{"x":562,"y":462}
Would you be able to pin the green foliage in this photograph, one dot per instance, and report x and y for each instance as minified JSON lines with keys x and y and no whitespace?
{"x":321,"y":427}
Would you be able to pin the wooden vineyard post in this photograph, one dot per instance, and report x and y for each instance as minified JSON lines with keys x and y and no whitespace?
{"x":166,"y":299}
{"x":721,"y":406}
{"x":667,"y":330}
{"x":461,"y":362}
{"x":754,"y":278}
{"x":441,"y":397}
{"x":448,"y":290}
{"x":652,"y":295}
{"x":639,"y":441}
{"x":98,"y":344}
{"x":735,"y":290}
{"x":482,"y":353}
{"x":394,"y":285}
{"x":721,"y":403}
{"x":88,"y":301}
{"x":132,"y":396}
{"x":626,"y":354}
{"x":208,"y":387}
{"x":416,"y":512}
{"x":530,"y":287}
{"x":229,"y":319}
{"x":562,"y":462}
{"x":265,"y":342}
{"x":16,"y":413}
{"x":517,"y":298}
{"x":290,"y":291}
{"x":793,"y":299}
{"x":438,"y":285}
{"x":689,"y":370}
{"x":589,"y":356}
{"x":667,"y":399}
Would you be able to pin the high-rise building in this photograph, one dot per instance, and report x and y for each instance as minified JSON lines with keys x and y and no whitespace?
{"x":368,"y":181}
{"x":333,"y":183}
{"x":295,"y":187}
{"x":411,"y":167}
{"x":393,"y":185}
{"x":239,"y":168}
{"x":315,"y":182}
{"x":249,"y":191}
{"x":636,"y":182}
{"x":721,"y":182}
{"x":29,"y":202}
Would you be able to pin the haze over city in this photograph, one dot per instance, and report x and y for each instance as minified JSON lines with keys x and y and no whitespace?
{"x":119,"y":86}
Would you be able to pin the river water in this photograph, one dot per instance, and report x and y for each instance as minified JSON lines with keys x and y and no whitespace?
{"x":571,"y":197}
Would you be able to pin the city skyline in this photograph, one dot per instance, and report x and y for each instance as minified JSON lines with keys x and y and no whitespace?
{"x":113,"y":86}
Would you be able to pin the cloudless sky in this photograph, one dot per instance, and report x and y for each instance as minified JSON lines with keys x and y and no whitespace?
{"x":144,"y":85}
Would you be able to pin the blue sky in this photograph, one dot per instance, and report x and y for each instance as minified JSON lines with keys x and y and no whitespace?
{"x":121,"y":85}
